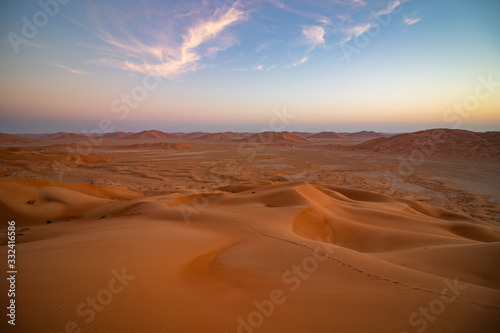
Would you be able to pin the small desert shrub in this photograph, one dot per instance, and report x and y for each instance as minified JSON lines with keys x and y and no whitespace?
{"x":103,"y":216}
{"x":31,"y":202}
{"x":48,"y":221}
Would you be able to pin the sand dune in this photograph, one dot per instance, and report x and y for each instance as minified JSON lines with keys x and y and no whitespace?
{"x":193,"y":135}
{"x":70,"y":146}
{"x":236,"y":135}
{"x":116,"y":135}
{"x":163,"y":145}
{"x":214,"y":136}
{"x":32,"y":136}
{"x":276,"y":138}
{"x":64,"y":136}
{"x":250,"y":257}
{"x":19,"y":162}
{"x":304,"y":134}
{"x":226,"y":239}
{"x":53,"y":200}
{"x":8,"y":138}
{"x":144,"y":135}
{"x":30,"y":155}
{"x":365,"y":134}
{"x":440,"y":142}
{"x":327,"y":135}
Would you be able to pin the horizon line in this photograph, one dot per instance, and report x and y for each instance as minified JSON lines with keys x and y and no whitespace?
{"x":250,"y":132}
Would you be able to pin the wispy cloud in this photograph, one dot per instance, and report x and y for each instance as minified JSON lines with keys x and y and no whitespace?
{"x":38,"y":45}
{"x":75,"y":71}
{"x":411,"y":20}
{"x":310,"y":15}
{"x":314,"y":35}
{"x":343,"y":17}
{"x":360,"y":28}
{"x":170,"y":46}
{"x":359,"y":2}
{"x":355,"y":31}
{"x":262,"y":46}
{"x":390,"y":8}
{"x":167,"y":59}
{"x":301,"y":61}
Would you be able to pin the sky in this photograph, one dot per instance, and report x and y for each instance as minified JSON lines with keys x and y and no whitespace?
{"x":181,"y":66}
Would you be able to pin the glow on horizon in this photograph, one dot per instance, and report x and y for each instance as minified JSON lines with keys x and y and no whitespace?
{"x":227,"y":64}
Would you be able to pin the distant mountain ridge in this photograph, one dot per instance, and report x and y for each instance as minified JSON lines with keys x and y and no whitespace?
{"x":450,"y":143}
{"x":213,"y":136}
{"x":10,"y":138}
{"x":439,"y":142}
{"x":150,"y":134}
{"x":276,"y":137}
{"x":366,"y":134}
{"x":328,"y":135}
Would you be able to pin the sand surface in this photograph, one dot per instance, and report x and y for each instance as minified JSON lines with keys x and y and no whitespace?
{"x":227,"y":235}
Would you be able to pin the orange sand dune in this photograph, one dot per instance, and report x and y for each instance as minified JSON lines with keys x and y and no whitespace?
{"x":116,"y":135}
{"x":366,"y":134}
{"x":236,"y":135}
{"x":214,"y":136}
{"x":152,"y":134}
{"x":249,"y":257}
{"x":53,"y":200}
{"x":36,"y":158}
{"x":276,"y":138}
{"x":9,"y":138}
{"x":327,"y":135}
{"x":192,"y":135}
{"x":71,"y":146}
{"x":64,"y":136}
{"x":440,"y":142}
{"x":163,"y":145}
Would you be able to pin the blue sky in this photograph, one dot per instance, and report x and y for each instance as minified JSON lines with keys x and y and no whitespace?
{"x":336,"y":65}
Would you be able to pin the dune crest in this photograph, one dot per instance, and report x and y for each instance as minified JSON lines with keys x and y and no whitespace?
{"x":36,"y":201}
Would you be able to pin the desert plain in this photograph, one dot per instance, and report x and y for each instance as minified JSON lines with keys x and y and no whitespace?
{"x":253,"y":232}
